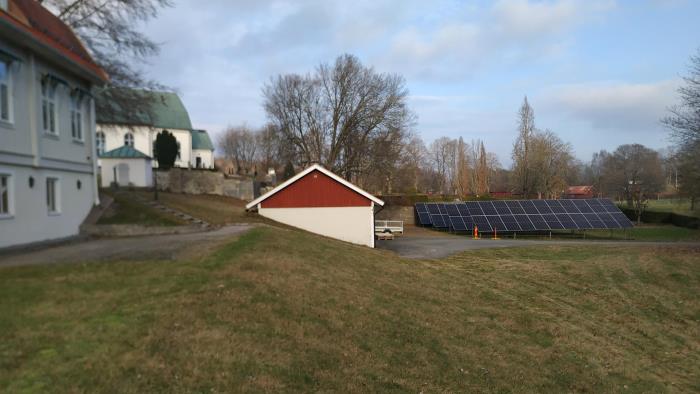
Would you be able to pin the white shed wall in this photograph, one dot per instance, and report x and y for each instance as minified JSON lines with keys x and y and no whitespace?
{"x":350,"y":224}
{"x":206,"y":155}
{"x":140,"y":172}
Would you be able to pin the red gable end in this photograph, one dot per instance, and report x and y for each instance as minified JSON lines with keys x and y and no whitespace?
{"x":316,"y":189}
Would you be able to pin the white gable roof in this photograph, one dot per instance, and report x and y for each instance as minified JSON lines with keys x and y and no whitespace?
{"x":300,"y":175}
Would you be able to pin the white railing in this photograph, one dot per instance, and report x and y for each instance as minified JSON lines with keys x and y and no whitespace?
{"x":388,"y":226}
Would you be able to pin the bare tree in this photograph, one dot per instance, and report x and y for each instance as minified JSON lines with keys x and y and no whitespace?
{"x":684,"y":123}
{"x":109,"y":30}
{"x":551,"y":163}
{"x":522,"y":172}
{"x":338,"y":114}
{"x":635,"y":172}
{"x":240,"y":145}
{"x":443,"y":158}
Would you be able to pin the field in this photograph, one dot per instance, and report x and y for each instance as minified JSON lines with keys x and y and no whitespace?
{"x":217,"y":210}
{"x":282,"y":310}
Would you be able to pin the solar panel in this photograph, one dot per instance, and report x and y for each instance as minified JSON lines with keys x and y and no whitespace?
{"x":542,"y":206}
{"x":474,"y":208}
{"x":452,"y":209}
{"x":424,"y":218}
{"x":488,"y":208}
{"x":433,"y":208}
{"x":438,"y":221}
{"x":515,"y":207}
{"x":501,"y":207}
{"x":457,"y":223}
{"x":523,"y":215}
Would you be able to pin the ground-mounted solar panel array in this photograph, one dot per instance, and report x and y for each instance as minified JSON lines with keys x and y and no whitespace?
{"x":523,"y":215}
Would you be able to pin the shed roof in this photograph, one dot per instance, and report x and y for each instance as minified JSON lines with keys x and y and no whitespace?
{"x":29,"y":17}
{"x":315,"y":167}
{"x":124,"y":152}
{"x":201,"y":140}
{"x":167,"y":109}
{"x":579,"y":189}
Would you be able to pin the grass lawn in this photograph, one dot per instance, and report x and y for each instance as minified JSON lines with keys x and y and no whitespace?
{"x":127,"y":210}
{"x":281,"y":310}
{"x":217,"y":210}
{"x":648,"y":232}
{"x":679,"y":206}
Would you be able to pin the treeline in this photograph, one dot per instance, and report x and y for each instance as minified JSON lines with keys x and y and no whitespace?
{"x":357,"y":123}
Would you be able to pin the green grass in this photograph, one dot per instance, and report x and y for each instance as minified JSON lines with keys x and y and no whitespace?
{"x":281,"y":310}
{"x":649,"y":233}
{"x":217,"y":210}
{"x":126,"y":210}
{"x":679,"y":206}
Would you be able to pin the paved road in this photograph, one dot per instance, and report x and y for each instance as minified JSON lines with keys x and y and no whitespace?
{"x":426,"y":247}
{"x":168,"y":247}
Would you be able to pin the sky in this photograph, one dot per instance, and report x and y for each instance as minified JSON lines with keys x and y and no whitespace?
{"x":599,"y":73}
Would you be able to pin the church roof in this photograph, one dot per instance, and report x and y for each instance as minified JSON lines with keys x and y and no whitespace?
{"x":167,"y":110}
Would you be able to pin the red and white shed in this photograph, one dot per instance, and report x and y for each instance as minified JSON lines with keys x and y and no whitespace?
{"x":321,"y":202}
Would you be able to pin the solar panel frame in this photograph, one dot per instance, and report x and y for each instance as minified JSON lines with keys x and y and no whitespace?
{"x":463,"y":211}
{"x":529,"y":207}
{"x":474,"y":208}
{"x":452,"y":209}
{"x":457,"y":223}
{"x":555,"y":206}
{"x":420,"y":207}
{"x":438,"y":221}
{"x":542,"y":206}
{"x":488,"y":208}
{"x":482,"y":223}
{"x":582,"y":206}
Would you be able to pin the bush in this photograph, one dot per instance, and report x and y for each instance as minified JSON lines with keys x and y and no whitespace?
{"x":663,"y":217}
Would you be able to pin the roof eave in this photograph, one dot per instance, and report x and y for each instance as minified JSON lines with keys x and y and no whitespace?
{"x":79,"y":67}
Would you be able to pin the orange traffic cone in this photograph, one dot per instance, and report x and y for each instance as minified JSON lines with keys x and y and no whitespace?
{"x":495,"y":235}
{"x":476,"y":232}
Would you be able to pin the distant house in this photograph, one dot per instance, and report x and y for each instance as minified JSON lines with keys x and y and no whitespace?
{"x":321,"y":202}
{"x":579,"y":192}
{"x":47,"y":126}
{"x":139,"y":131}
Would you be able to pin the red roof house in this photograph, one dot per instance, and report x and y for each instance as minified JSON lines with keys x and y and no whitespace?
{"x":579,"y":192}
{"x":322,"y":202}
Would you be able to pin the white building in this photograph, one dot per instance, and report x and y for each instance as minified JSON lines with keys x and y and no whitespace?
{"x":47,"y":126}
{"x":139,"y":132}
{"x":321,"y":202}
{"x":125,"y":166}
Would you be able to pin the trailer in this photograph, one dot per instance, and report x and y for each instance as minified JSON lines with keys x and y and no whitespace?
{"x":388,"y":227}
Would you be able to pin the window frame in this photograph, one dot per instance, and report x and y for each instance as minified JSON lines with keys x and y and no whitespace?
{"x":131,"y":135}
{"x":100,"y":142}
{"x":8,"y":83}
{"x":9,"y":189}
{"x":53,"y":196}
{"x":49,"y":106}
{"x":76,"y":111}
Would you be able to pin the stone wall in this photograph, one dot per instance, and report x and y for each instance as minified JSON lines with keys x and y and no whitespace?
{"x":397,"y":212}
{"x":192,"y":181}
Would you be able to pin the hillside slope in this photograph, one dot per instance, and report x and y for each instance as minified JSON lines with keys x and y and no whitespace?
{"x":281,"y":310}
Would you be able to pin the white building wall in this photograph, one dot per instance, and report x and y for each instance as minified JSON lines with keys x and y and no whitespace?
{"x":144,"y":138}
{"x":27,"y":152}
{"x":206,"y":155}
{"x":30,"y":220}
{"x":140,"y":172}
{"x":350,"y":224}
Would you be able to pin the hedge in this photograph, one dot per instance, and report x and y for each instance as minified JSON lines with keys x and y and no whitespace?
{"x":663,"y":217}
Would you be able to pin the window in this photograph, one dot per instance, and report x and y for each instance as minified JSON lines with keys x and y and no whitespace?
{"x":178,"y":150}
{"x":48,"y":105}
{"x":129,"y":139}
{"x":76,"y":116}
{"x":5,"y":195}
{"x":5,"y":92}
{"x":3,"y":4}
{"x":100,"y":143}
{"x":52,"y":197}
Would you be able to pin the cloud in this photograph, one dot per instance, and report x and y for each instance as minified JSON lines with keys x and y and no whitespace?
{"x":619,"y":106}
{"x":507,"y":32}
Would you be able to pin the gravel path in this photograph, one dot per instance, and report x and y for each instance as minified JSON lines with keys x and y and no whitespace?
{"x":168,"y":247}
